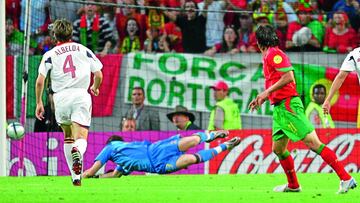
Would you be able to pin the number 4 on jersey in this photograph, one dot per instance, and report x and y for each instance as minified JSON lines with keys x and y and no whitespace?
{"x":69,"y":66}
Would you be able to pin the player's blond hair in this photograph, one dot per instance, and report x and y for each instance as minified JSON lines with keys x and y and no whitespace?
{"x":63,"y":30}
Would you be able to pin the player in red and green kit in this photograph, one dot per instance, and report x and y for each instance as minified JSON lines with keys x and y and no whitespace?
{"x":289,"y":120}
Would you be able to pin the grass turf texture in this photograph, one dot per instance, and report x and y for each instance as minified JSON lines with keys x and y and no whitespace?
{"x":175,"y":188}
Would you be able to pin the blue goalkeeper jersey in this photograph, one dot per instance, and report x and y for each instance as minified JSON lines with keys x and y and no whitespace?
{"x":129,"y":156}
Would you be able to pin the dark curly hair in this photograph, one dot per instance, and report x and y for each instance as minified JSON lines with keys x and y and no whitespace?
{"x":266,"y":36}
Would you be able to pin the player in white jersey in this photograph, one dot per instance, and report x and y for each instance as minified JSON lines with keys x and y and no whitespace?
{"x":351,"y":63}
{"x":70,"y":65}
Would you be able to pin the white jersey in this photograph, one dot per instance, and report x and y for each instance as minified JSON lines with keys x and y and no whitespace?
{"x":352,"y":62}
{"x":71,"y":65}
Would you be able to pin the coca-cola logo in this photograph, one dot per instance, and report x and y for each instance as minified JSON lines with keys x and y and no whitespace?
{"x":254,"y":154}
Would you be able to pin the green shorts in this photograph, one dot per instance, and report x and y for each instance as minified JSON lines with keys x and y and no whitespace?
{"x":289,"y":120}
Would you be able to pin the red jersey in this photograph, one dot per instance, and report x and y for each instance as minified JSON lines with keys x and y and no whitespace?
{"x":340,"y":42}
{"x":275,"y":64}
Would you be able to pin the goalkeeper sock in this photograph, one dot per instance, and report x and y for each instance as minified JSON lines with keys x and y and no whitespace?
{"x":207,"y":154}
{"x":330,"y":158}
{"x":68,"y":144}
{"x":287,"y":163}
{"x":205,"y":136}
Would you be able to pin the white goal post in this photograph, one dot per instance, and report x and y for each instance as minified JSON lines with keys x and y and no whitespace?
{"x":3,"y":145}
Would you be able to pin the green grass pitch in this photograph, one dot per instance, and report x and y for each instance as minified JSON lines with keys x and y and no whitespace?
{"x":175,"y":188}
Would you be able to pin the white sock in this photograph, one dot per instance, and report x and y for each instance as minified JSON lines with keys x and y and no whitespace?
{"x":81,"y":144}
{"x":68,"y":157}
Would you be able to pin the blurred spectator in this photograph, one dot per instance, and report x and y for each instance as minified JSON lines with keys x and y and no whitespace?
{"x":239,"y":4}
{"x":125,"y":13}
{"x":228,"y":45}
{"x":192,"y":27}
{"x":45,"y":45}
{"x":39,"y":16}
{"x":245,"y":31}
{"x":173,"y":32}
{"x":93,"y":31}
{"x":340,"y":37}
{"x":146,"y":119}
{"x":226,"y":114}
{"x":214,"y":21}
{"x":131,"y":42}
{"x":109,"y":15}
{"x":270,"y":7}
{"x":128,"y":125}
{"x":230,"y":17}
{"x":318,"y":13}
{"x":261,"y":19}
{"x":173,"y":3}
{"x":292,"y":3}
{"x":63,"y":9}
{"x":314,"y":110}
{"x":326,"y":5}
{"x":352,"y":9}
{"x":183,"y":119}
{"x":13,"y":11}
{"x":155,"y":17}
{"x":15,"y":40}
{"x":307,"y":34}
{"x":165,"y":44}
{"x":141,"y":3}
{"x":281,"y":6}
{"x":151,"y":43}
{"x":281,"y":24}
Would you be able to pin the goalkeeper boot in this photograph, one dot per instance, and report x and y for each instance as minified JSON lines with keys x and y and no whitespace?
{"x":218,"y":134}
{"x":345,"y":186}
{"x":232,"y":143}
{"x":76,"y":157}
{"x":285,"y":188}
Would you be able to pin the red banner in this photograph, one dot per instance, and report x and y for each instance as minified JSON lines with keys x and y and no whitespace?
{"x":10,"y":69}
{"x":254,"y":154}
{"x":104,"y":103}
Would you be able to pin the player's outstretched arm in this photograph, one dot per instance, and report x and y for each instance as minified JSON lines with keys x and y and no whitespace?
{"x":92,"y":170}
{"x":286,"y":78}
{"x":335,"y":86}
{"x":112,"y":174}
{"x":39,"y":88}
{"x":98,"y":77}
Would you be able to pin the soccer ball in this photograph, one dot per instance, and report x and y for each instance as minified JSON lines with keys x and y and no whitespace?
{"x":15,"y":131}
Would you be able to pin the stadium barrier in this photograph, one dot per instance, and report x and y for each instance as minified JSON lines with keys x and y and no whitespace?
{"x":43,"y":153}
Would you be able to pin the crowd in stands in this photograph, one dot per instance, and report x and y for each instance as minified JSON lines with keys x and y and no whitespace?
{"x":189,"y":26}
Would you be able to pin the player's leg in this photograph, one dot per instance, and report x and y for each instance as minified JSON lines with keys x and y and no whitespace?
{"x":80,"y":118}
{"x":205,"y":155}
{"x":80,"y":133}
{"x":68,"y":144}
{"x":289,"y":123}
{"x":279,"y":147}
{"x":63,"y":103}
{"x":346,"y":181}
{"x":185,"y":143}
